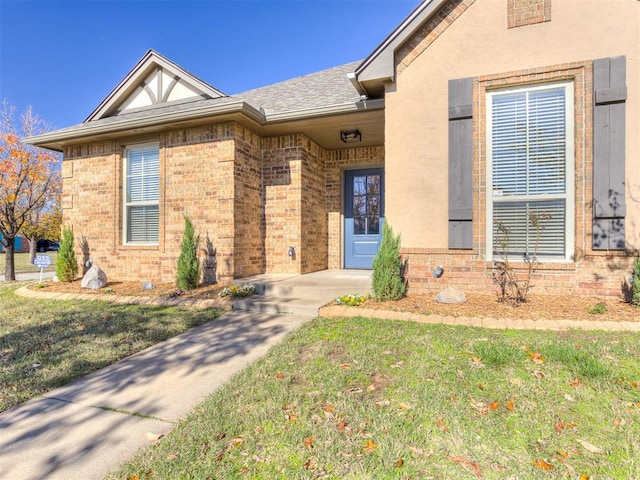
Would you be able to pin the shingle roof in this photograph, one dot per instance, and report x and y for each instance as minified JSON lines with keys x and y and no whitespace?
{"x":327,"y":87}
{"x":299,"y":96}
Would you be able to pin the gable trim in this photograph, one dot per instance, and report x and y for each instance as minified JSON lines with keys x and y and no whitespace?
{"x":135,"y":80}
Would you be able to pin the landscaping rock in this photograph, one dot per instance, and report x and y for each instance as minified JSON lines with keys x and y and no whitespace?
{"x":451,"y":295}
{"x":94,"y":279}
{"x":148,"y":286}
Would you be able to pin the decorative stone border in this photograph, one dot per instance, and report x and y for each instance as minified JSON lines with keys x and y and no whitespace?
{"x":341,"y":311}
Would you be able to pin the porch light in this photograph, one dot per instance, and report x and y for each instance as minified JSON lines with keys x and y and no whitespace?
{"x":348,"y":136}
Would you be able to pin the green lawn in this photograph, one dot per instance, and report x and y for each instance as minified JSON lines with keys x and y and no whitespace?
{"x":22,"y":262}
{"x":371,"y":399}
{"x":45,"y":344}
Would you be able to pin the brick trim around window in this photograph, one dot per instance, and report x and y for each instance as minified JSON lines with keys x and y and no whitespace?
{"x":527,"y":12}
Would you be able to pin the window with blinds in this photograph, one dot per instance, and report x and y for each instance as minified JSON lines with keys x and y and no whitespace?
{"x":142,"y":194}
{"x":530,"y":171}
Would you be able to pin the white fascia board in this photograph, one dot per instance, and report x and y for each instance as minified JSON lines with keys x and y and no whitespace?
{"x":380,"y":64}
{"x":90,"y":128}
{"x":325,"y":110}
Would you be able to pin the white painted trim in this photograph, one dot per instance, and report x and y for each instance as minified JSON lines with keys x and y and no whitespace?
{"x":125,"y":204}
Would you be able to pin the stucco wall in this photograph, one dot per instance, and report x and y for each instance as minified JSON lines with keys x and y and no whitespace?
{"x":479,"y":44}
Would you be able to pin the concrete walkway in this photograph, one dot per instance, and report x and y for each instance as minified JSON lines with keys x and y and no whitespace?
{"x":92,"y":425}
{"x":30,"y":276}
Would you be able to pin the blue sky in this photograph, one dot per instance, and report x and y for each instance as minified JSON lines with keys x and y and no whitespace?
{"x":64,"y":57}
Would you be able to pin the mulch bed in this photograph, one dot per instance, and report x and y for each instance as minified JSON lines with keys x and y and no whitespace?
{"x":478,"y":305}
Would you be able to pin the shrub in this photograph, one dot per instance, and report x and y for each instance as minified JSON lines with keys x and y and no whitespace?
{"x":66,"y":264}
{"x":188,"y":275}
{"x":598,"y":309}
{"x":387,"y":280}
{"x":511,"y":286}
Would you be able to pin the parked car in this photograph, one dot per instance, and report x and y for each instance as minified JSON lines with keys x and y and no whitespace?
{"x":47,"y":246}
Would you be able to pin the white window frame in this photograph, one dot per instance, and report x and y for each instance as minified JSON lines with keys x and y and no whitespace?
{"x":125,"y":190}
{"x":568,"y":196}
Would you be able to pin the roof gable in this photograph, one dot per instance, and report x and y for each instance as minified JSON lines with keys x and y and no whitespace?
{"x":154,"y":81}
{"x":429,"y":19}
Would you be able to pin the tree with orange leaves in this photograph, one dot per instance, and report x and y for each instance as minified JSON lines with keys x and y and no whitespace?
{"x":29,"y":179}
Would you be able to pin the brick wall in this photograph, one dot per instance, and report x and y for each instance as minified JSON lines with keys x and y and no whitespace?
{"x":592,"y":272}
{"x":248,"y":251}
{"x":337,"y":162}
{"x":282,"y":184}
{"x":313,"y":210}
{"x":197,"y":167}
{"x":527,"y":12}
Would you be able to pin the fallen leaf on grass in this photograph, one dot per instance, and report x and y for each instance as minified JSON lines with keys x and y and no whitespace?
{"x":279,"y":375}
{"x":309,"y":441}
{"x":618,"y":422}
{"x":584,"y":476}
{"x":563,"y":453}
{"x":542,"y":464}
{"x":589,"y":447}
{"x":476,"y":362}
{"x":171,"y":456}
{"x":404,"y":406}
{"x":243,"y":469}
{"x":510,"y":405}
{"x":382,"y":403}
{"x":441,"y":425}
{"x":133,"y":477}
{"x":420,"y":451}
{"x":153,"y":437}
{"x":329,"y":408}
{"x":536,"y":358}
{"x":539,"y":374}
{"x":568,"y":397}
{"x":463,"y":461}
{"x":345,"y":366}
{"x":576,"y":382}
{"x":494,"y":405}
{"x":312,"y":464}
{"x":561,"y":426}
{"x":399,"y":463}
{"x":369,"y":447}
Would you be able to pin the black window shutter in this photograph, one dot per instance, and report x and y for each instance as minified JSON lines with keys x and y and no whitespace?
{"x":609,"y":209}
{"x":460,"y":163}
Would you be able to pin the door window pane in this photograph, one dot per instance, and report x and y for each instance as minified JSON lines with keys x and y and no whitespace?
{"x":366,"y":204}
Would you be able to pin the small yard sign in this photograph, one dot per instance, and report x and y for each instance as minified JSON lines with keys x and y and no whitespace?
{"x":42,"y":262}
